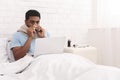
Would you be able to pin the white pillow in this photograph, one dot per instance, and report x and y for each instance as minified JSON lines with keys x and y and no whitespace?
{"x":3,"y":53}
{"x":10,"y":53}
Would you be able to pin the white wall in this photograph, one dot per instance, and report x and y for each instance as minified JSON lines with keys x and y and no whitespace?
{"x":71,"y":18}
{"x":106,"y":36}
{"x":107,"y":42}
{"x":108,"y":13}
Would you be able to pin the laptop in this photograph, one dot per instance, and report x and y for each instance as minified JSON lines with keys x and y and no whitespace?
{"x":51,"y":45}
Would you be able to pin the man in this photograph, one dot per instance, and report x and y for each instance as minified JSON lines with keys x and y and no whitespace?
{"x":23,"y":41}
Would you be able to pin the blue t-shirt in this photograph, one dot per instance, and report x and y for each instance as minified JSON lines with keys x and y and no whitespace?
{"x":19,"y":39}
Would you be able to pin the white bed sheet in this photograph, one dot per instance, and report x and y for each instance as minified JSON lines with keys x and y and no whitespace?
{"x":64,"y":67}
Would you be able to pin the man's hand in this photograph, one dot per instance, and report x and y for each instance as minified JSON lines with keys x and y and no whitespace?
{"x":40,"y":31}
{"x":31,"y":32}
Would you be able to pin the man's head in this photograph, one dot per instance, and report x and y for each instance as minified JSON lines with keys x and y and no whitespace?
{"x":32,"y":17}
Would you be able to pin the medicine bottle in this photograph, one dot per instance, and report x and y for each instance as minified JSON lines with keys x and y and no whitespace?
{"x":69,"y":43}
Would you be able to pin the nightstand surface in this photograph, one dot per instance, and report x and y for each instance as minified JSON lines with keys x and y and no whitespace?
{"x":87,"y":52}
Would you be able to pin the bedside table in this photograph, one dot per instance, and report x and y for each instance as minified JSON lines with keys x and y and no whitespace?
{"x":87,"y":52}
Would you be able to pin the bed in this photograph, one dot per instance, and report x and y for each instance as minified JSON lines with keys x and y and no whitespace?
{"x":62,"y":66}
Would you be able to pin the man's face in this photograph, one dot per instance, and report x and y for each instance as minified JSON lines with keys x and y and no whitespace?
{"x":33,"y":20}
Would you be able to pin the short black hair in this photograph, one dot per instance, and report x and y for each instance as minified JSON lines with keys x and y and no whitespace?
{"x":32,"y":13}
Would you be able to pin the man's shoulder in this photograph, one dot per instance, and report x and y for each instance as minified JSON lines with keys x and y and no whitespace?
{"x":47,"y":34}
{"x":18,"y":34}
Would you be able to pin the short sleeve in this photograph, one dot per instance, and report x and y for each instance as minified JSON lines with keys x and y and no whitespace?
{"x":47,"y":34}
{"x":15,"y":41}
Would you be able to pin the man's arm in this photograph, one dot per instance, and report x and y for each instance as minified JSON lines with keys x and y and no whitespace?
{"x":21,"y":51}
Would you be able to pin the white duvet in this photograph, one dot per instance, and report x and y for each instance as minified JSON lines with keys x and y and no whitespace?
{"x":57,"y":67}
